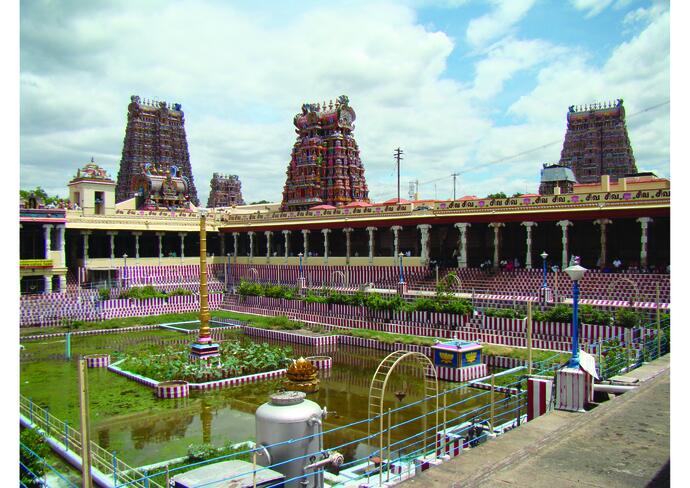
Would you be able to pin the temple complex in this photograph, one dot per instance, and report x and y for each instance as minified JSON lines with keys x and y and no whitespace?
{"x":226,"y":191}
{"x":155,"y":145}
{"x":596,"y":142}
{"x":325,"y":168}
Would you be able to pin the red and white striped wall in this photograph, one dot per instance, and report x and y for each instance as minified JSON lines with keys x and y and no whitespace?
{"x":97,"y":360}
{"x":461,"y":374}
{"x":574,"y":389}
{"x":539,"y":391}
{"x":172,"y":389}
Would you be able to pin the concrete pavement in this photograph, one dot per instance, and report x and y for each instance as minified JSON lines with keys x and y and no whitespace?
{"x":623,"y":442}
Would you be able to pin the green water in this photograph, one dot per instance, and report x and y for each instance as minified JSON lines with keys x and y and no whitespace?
{"x":127,"y":418}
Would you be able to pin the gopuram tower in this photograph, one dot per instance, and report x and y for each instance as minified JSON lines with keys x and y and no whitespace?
{"x":226,"y":191}
{"x":596,"y":142}
{"x":325,"y":167}
{"x":155,"y":137}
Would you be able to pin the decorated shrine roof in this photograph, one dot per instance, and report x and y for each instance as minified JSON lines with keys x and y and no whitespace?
{"x":92,"y":172}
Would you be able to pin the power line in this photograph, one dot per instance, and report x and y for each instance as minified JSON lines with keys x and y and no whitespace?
{"x":398,"y":154}
{"x":528,"y":151}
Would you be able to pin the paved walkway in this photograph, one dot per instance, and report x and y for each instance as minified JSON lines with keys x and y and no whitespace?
{"x":624,"y":442}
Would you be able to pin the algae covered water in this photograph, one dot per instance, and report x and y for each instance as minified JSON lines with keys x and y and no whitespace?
{"x":127,"y":418}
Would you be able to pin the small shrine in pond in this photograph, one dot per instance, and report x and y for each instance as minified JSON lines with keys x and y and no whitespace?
{"x":457,"y":354}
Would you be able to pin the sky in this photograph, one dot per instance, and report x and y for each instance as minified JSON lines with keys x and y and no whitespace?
{"x":480,"y":88}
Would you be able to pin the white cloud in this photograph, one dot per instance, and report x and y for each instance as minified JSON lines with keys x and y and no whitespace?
{"x":593,"y":7}
{"x":241,"y":75}
{"x":497,"y":23}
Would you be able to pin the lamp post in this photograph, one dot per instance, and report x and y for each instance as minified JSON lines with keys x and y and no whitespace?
{"x":544,"y":255}
{"x":300,"y":264}
{"x":576,"y":272}
{"x":227,"y":273}
{"x":402,"y":276}
{"x":124,"y":277}
{"x":301,"y":282}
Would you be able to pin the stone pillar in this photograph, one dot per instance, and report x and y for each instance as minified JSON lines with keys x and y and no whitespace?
{"x":371,"y":244}
{"x":396,"y":242}
{"x":268,"y":235}
{"x":305,"y":237}
{"x":61,"y":244}
{"x":424,"y":254}
{"x":48,"y":281}
{"x":112,"y":234}
{"x":348,"y":231}
{"x":251,"y":245}
{"x":602,"y":223}
{"x":325,"y":233}
{"x":86,"y":234}
{"x":160,"y":246}
{"x":528,"y":242}
{"x":62,"y":283}
{"x":497,"y":241}
{"x":235,"y":237}
{"x":644,"y":225}
{"x":286,"y":236}
{"x":222,"y":244}
{"x":182,"y":236}
{"x":462,"y":248}
{"x":564,"y":241}
{"x":46,"y":239}
{"x":136,"y":235}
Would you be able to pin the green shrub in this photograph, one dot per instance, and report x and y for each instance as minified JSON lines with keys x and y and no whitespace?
{"x":34,"y":441}
{"x":627,"y":317}
{"x":179,"y":292}
{"x":104,"y":293}
{"x":142,"y":293}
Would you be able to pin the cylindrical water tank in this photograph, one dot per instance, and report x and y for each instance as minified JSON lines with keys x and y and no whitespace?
{"x":289,"y":416}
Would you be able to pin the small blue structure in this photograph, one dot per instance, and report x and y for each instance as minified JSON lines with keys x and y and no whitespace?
{"x":457,"y":354}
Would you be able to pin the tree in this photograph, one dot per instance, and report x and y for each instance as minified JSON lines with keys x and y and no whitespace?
{"x":41,"y":194}
{"x":497,"y":195}
{"x":259,"y":202}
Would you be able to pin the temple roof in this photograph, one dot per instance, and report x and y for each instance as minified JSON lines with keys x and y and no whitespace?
{"x":92,"y":172}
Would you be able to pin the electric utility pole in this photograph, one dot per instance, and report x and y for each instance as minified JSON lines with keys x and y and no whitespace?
{"x":398,"y":156}
{"x":454,"y":175}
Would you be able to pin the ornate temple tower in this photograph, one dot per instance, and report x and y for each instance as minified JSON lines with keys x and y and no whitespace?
{"x":226,"y":191}
{"x":596,"y":143}
{"x":155,"y":136}
{"x":325,"y":167}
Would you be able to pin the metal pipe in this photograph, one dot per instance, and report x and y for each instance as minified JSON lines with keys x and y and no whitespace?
{"x":617,"y":389}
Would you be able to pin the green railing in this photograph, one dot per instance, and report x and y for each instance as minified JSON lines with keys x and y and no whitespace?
{"x":101,"y":459}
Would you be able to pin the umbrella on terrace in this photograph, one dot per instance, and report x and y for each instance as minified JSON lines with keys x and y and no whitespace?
{"x":393,"y":201}
{"x":323,"y":207}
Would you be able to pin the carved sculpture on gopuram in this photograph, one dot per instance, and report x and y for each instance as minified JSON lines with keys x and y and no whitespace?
{"x":157,"y":187}
{"x":155,"y":135}
{"x":596,"y":142}
{"x":325,"y":167}
{"x":226,"y":191}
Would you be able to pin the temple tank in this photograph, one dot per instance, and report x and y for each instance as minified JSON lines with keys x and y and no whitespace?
{"x":288,"y":415}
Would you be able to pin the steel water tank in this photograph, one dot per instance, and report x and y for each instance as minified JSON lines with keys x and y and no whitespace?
{"x":288,"y":415}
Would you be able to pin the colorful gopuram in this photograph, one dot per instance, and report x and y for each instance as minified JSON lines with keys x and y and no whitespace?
{"x":325,"y":168}
{"x":596,"y":142}
{"x":155,"y":138}
{"x":226,"y":191}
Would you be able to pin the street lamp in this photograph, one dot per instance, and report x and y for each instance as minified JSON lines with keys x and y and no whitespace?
{"x":300,"y":265}
{"x":124,"y":278}
{"x":544,"y":255}
{"x":576,"y":272}
{"x":402,"y":276}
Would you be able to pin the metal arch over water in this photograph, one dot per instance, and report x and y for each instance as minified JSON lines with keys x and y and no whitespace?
{"x":255,"y":274}
{"x":377,"y":393}
{"x":636,"y":297}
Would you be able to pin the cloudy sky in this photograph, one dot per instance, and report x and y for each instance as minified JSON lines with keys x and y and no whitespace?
{"x":477,"y":87}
